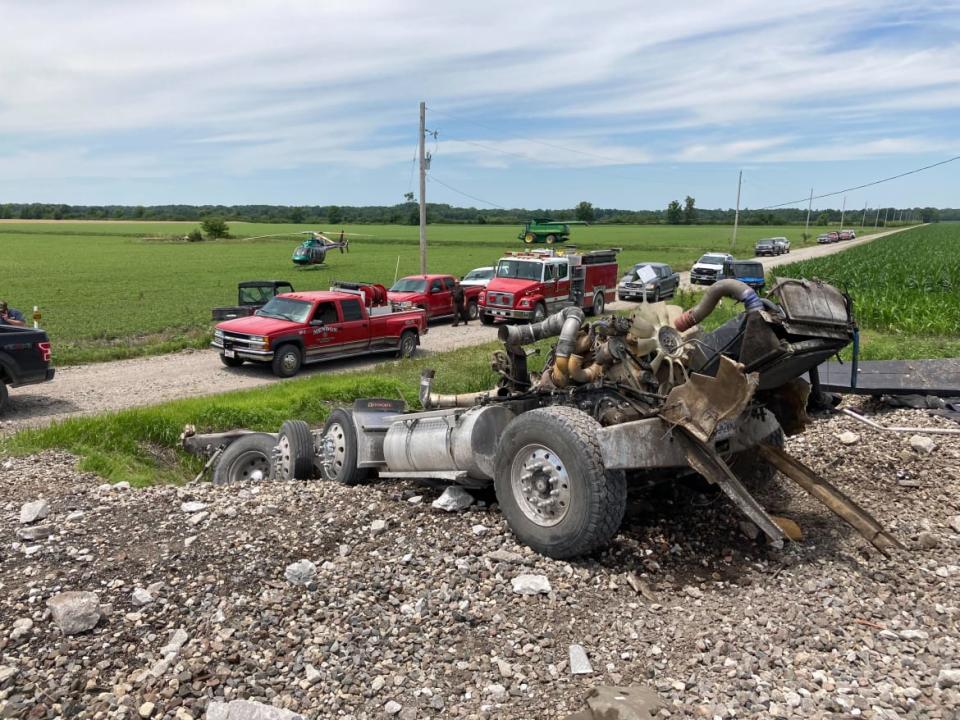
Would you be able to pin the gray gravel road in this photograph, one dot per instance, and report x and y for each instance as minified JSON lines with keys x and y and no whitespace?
{"x":89,"y":389}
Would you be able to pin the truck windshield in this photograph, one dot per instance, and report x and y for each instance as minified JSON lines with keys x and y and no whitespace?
{"x":286,"y":309}
{"x":479,"y":274}
{"x":519,"y":269}
{"x":415,"y":285}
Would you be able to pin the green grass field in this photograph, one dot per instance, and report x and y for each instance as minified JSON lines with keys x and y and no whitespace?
{"x":106,"y":292}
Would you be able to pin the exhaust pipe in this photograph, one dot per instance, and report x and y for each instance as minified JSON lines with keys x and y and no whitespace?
{"x":431,"y":400}
{"x":551,"y":327}
{"x":734,"y":289}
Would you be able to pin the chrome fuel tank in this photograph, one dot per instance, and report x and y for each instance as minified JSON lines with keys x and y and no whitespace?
{"x":456,"y":440}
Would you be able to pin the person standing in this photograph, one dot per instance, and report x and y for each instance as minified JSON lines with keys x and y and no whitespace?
{"x":10,"y":316}
{"x":459,"y":305}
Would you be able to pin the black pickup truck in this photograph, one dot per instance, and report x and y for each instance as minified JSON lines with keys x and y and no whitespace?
{"x":24,"y":358}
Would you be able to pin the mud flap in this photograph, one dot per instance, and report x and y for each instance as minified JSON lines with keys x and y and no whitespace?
{"x":835,"y":500}
{"x":705,"y":460}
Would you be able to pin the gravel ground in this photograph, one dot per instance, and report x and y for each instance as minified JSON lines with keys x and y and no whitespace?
{"x":412,"y":610}
{"x":90,"y":389}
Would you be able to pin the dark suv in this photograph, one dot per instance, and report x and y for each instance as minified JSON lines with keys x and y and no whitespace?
{"x":767,"y":246}
{"x":648,"y":281}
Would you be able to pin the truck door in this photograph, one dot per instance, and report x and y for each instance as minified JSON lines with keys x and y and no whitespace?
{"x":354,"y":335}
{"x":563,"y":281}
{"x":439,"y":299}
{"x":324,"y":329}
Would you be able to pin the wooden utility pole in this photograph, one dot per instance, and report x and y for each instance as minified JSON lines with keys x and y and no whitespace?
{"x":877,"y":220}
{"x":843,"y":212}
{"x":806,"y":230}
{"x":736,"y":217}
{"x":885,"y":211}
{"x":423,"y":188}
{"x":864,"y":218}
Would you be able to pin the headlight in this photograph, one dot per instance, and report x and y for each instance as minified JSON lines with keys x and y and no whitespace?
{"x":651,"y":286}
{"x":218,"y":334}
{"x":257,"y":338}
{"x":525,"y":302}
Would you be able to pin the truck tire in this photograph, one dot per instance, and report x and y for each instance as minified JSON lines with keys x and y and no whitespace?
{"x":408,"y":344}
{"x":338,"y":450}
{"x":539,"y":313}
{"x":287,"y":360}
{"x":231,"y":362}
{"x":4,"y":396}
{"x":551,"y":239}
{"x":754,"y":473}
{"x":473,"y":310}
{"x":486,"y":318}
{"x":569,"y":505}
{"x":294,"y":457}
{"x":598,"y":305}
{"x":529,"y":238}
{"x":249,"y":457}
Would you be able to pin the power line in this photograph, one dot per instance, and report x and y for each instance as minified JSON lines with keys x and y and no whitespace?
{"x":585,"y":153}
{"x":865,"y":185}
{"x":435,"y":179}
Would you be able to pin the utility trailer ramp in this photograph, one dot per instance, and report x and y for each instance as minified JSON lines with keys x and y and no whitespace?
{"x":894,"y":377}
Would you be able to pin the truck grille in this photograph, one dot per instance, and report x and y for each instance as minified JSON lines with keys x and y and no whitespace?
{"x":239,"y":341}
{"x":706,"y":272}
{"x":500,"y":299}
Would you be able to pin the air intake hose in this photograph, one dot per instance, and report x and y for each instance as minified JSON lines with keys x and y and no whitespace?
{"x":734,"y":289}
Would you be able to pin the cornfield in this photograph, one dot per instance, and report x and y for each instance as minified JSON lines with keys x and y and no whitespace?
{"x":905,"y":283}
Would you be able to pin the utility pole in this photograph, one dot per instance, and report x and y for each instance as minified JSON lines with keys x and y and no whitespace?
{"x":864,"y":218}
{"x":843,"y":211}
{"x":736,"y":217}
{"x":423,"y":188}
{"x":877,"y":220}
{"x":806,"y":230}
{"x":885,"y":211}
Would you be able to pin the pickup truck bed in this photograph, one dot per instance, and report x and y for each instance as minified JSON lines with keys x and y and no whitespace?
{"x":24,"y":358}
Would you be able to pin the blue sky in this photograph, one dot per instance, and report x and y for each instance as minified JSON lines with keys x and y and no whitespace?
{"x":538,"y":104}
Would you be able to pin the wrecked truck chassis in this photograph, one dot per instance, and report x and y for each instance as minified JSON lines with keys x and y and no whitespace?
{"x":619,"y":401}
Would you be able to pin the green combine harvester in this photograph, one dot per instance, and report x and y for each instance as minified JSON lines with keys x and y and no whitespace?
{"x":544,"y":230}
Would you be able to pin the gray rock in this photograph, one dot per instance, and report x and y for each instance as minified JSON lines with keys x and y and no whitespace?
{"x":146,"y":710}
{"x":7,"y":672}
{"x":531,"y":584}
{"x":928,"y":540}
{"x":140,"y":596}
{"x":312,"y":675}
{"x":75,"y":612}
{"x":505,"y":556}
{"x":75,"y":515}
{"x":638,"y":702}
{"x":392,"y":707}
{"x":579,"y":662}
{"x":749,"y":529}
{"x":33,"y":511}
{"x":34,"y":532}
{"x":955,"y":523}
{"x":693,"y":591}
{"x":123,"y":485}
{"x":378,"y":527}
{"x":301,"y":572}
{"x":848,"y":438}
{"x":497,"y":693}
{"x":193,"y":506}
{"x":21,"y":627}
{"x":197,"y":518}
{"x":169,"y":652}
{"x":247,"y":710}
{"x":948,"y":678}
{"x":922,"y":444}
{"x":453,"y":499}
{"x":479,"y":530}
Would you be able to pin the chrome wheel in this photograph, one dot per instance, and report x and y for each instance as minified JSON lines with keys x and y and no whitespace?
{"x":289,"y":362}
{"x":539,"y":313}
{"x":333,"y":451}
{"x":252,"y":465}
{"x":541,"y":486}
{"x":282,"y":457}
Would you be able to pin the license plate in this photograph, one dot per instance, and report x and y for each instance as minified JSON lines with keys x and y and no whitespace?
{"x":499,"y":313}
{"x":726,"y":429}
{"x":229,"y":353}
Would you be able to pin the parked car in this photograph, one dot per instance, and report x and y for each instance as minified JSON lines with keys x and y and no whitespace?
{"x":650,"y":281}
{"x":708,"y":267}
{"x":433,"y":293}
{"x":749,"y":272}
{"x":782,"y":244}
{"x":306,"y":327}
{"x":479,"y":277}
{"x":847,"y":235}
{"x":24,"y":358}
{"x":766,"y":246}
{"x":830,"y":237}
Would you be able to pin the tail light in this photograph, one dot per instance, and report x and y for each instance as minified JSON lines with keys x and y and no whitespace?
{"x":45,"y":351}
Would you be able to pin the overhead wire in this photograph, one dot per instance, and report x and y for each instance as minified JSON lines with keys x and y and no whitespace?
{"x":437,"y":180}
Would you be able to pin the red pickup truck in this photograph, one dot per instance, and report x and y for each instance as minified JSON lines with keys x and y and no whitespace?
{"x":531,"y":285}
{"x":434,"y":293}
{"x":305,"y":327}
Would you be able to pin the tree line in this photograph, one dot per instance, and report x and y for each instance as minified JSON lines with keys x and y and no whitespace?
{"x":408,"y":213}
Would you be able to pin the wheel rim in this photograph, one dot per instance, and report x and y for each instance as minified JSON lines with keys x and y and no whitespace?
{"x":539,"y":314}
{"x":334,"y":451}
{"x":289,"y":361}
{"x":250,"y":465}
{"x":550,"y":239}
{"x":408,"y":346}
{"x":541,"y":485}
{"x":598,"y":304}
{"x":284,"y":461}
{"x":529,"y":239}
{"x":473,"y":311}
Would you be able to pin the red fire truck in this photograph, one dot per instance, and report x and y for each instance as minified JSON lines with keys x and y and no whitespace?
{"x":530,"y":285}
